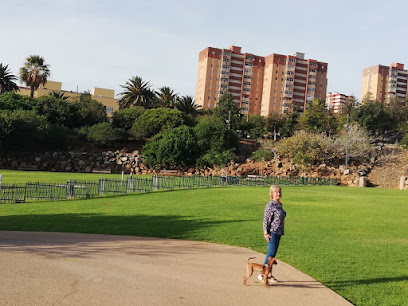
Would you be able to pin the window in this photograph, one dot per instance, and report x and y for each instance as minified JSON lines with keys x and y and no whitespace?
{"x":109,"y":110}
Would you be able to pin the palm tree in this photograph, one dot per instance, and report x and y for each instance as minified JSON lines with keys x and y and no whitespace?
{"x":34,"y":73}
{"x":7,"y":80}
{"x":166,"y":97}
{"x":137,"y":92}
{"x":58,"y":95}
{"x":187,"y":105}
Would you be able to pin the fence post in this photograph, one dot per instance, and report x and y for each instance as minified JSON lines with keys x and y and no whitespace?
{"x":154,"y":183}
{"x":70,"y":189}
{"x":129,"y":185}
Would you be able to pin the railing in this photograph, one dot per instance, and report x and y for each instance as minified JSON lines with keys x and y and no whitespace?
{"x":35,"y":191}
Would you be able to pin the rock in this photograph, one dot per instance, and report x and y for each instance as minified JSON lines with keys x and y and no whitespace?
{"x":81,"y":162}
{"x":362,"y":181}
{"x":37,"y":159}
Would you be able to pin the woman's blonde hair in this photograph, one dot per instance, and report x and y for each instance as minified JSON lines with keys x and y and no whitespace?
{"x":274,"y":188}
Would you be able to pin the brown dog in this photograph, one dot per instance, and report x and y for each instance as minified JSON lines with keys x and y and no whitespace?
{"x":265,"y":270}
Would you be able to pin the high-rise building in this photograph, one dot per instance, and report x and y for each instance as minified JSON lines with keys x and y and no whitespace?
{"x":259,"y":85}
{"x":291,"y":81}
{"x":383,"y":82}
{"x":229,"y":70}
{"x":335,"y":101}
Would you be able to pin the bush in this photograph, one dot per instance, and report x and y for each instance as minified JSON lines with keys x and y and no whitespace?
{"x":358,"y":142}
{"x":212,"y":134}
{"x":21,"y":128}
{"x":104,"y":134}
{"x":316,"y":146}
{"x":302,"y":159}
{"x":213,"y":157}
{"x":58,"y":111}
{"x":124,"y":118}
{"x":55,"y":136}
{"x":171,"y":148}
{"x":261,"y":154}
{"x":404,"y":141}
{"x":152,"y":121}
{"x":90,"y":111}
{"x":12,"y":101}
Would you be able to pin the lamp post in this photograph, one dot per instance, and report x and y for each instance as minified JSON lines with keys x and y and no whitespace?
{"x":347,"y":130}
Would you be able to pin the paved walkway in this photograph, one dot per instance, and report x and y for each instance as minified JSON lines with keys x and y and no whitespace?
{"x":83,"y":269}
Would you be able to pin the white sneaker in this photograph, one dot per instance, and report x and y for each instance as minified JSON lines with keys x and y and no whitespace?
{"x":260,"y":277}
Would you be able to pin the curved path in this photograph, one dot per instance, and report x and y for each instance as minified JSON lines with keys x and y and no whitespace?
{"x":85,"y":269}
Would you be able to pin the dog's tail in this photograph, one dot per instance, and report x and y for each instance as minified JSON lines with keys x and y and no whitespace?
{"x":250,"y":258}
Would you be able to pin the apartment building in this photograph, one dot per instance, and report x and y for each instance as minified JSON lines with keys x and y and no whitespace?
{"x":104,"y":96}
{"x":335,"y":101}
{"x":229,"y":70}
{"x":385,"y":82}
{"x":290,"y":81}
{"x":259,"y":85}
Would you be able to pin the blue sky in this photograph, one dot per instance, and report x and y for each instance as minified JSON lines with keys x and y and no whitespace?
{"x":103,"y":43}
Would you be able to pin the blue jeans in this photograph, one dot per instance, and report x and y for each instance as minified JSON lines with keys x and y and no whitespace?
{"x":272,"y":246}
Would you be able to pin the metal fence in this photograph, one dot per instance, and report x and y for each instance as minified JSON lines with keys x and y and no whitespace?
{"x":35,"y":191}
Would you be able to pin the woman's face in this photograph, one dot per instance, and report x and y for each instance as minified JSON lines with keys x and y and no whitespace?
{"x":276,"y":195}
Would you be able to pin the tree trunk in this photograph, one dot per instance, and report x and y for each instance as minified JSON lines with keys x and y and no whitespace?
{"x":32,"y":92}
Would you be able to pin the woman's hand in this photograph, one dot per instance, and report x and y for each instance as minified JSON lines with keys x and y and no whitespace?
{"x":267,"y":237}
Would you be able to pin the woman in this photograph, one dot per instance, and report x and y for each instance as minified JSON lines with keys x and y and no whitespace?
{"x":273,"y":224}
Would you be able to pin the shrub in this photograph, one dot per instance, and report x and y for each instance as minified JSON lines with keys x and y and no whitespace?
{"x":21,"y":128}
{"x":262,"y":154}
{"x":171,"y":148}
{"x":212,"y":134}
{"x":213,"y":157}
{"x":124,"y":118}
{"x":316,"y":146}
{"x":55,"y":136}
{"x":104,"y":134}
{"x":404,"y":141}
{"x":90,"y":111}
{"x":12,"y":101}
{"x":358,"y":142}
{"x":302,"y":159}
{"x":58,"y":111}
{"x":152,"y":121}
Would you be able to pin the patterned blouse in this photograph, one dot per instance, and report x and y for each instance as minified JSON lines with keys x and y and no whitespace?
{"x":274,"y":219}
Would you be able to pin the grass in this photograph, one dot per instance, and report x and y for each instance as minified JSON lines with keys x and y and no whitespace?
{"x":21,"y":177}
{"x":354,"y":240}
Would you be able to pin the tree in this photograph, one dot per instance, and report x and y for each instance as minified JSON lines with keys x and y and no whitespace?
{"x":187,"y":105}
{"x":213,"y":134}
{"x":124,"y":118}
{"x":104,"y":134}
{"x":137,"y":93}
{"x":172,"y":148}
{"x":58,"y":95}
{"x":34,"y":73}
{"x":254,"y":126}
{"x":274,"y":122}
{"x":290,"y":121}
{"x":7,"y":80}
{"x":317,"y":118}
{"x":152,"y":121}
{"x":398,"y":109}
{"x":374,"y":117}
{"x":228,"y":110}
{"x":90,"y":111}
{"x":58,"y":112}
{"x":12,"y":101}
{"x":166,"y":97}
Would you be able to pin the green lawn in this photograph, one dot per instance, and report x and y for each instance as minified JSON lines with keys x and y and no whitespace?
{"x":354,"y":240}
{"x":21,"y":177}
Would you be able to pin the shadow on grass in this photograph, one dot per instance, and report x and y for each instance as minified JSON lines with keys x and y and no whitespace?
{"x":57,"y":243}
{"x":342,"y":284}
